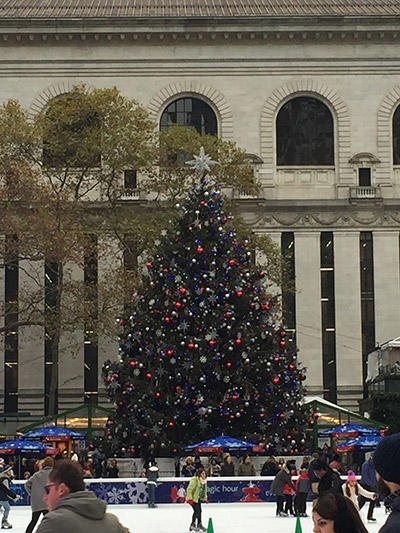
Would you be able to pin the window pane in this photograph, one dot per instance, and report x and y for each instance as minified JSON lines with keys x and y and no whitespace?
{"x":191,"y":112}
{"x":304,"y":132}
{"x":396,"y":137}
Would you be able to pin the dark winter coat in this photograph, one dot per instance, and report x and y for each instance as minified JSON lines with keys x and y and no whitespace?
{"x":227,"y":469}
{"x":6,"y":493}
{"x":330,"y":482}
{"x":152,"y":475}
{"x":188,"y":470}
{"x":303,"y":484}
{"x":35,"y":487}
{"x":269,"y":468}
{"x":392,"y":524}
{"x":368,"y":474}
{"x":282,"y":478}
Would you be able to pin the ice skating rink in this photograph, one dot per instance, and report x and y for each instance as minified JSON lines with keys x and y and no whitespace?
{"x":226,"y":517}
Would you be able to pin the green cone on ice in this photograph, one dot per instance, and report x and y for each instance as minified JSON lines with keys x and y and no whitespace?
{"x":298,"y":526}
{"x":210,"y":527}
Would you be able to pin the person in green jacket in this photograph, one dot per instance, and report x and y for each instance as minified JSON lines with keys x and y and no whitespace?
{"x":195,"y":494}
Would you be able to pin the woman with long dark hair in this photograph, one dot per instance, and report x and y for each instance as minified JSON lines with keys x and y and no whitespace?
{"x":333,"y":513}
{"x":196,"y":493}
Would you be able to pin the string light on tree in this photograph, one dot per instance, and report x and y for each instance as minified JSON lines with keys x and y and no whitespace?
{"x":202,"y":353}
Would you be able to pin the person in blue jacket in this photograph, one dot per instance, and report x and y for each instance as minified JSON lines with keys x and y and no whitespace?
{"x":368,"y":482}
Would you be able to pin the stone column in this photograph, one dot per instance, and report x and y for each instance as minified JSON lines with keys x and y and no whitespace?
{"x":272,"y":288}
{"x":308,"y":307}
{"x":109,"y":259}
{"x":348,"y":318}
{"x":31,"y":340}
{"x":2,"y":297}
{"x":387,"y":285}
{"x":71,"y":355}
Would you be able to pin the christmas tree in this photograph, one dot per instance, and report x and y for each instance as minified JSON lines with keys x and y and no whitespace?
{"x":201,"y":354}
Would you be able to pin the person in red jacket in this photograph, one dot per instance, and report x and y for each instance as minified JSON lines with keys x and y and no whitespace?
{"x":288,"y":492}
{"x":303,"y":485}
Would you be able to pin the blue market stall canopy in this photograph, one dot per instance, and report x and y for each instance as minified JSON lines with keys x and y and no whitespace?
{"x":345,"y":431}
{"x":53,"y":433}
{"x":224,"y":444}
{"x":22,"y":446}
{"x":367,"y":443}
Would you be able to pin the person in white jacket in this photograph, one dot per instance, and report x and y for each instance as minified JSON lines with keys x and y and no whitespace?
{"x":351,"y":489}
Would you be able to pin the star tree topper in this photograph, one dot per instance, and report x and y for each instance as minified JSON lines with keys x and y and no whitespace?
{"x":202,"y":163}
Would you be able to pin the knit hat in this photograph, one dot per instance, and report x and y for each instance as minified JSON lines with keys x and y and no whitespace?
{"x":351,"y":476}
{"x":387,"y":458}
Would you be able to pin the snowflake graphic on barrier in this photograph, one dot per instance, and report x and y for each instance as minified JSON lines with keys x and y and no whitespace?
{"x":101,"y":490}
{"x":115,"y":495}
{"x":136,"y":492}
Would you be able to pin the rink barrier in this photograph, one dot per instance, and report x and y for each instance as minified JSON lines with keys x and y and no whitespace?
{"x":172,"y":490}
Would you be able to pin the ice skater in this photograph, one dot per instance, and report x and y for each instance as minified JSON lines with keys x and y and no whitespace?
{"x":196,"y":493}
{"x":152,"y":476}
{"x":352,"y":490}
{"x":6,"y":494}
{"x":35,"y":487}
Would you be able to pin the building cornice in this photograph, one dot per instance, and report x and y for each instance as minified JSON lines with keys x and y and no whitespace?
{"x":234,"y":29}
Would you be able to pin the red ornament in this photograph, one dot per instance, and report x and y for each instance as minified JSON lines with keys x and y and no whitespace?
{"x":148,"y":375}
{"x":170,"y":352}
{"x":303,"y":377}
{"x":171,"y":424}
{"x":232,"y":262}
{"x":227,"y":314}
{"x":212,"y":342}
{"x":276,"y":359}
{"x":275,"y":380}
{"x":191,"y":345}
{"x":200,"y":250}
{"x":121,"y":322}
{"x":235,"y":397}
{"x":239,"y":293}
{"x":182,"y":290}
{"x":158,"y":394}
{"x":148,"y":264}
{"x":282,"y":343}
{"x":228,"y":364}
{"x":202,"y":202}
{"x":132,"y":363}
{"x":167,"y":319}
{"x":238,"y":341}
{"x":178,"y":305}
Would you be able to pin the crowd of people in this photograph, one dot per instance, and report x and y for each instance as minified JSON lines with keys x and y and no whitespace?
{"x":57,"y":489}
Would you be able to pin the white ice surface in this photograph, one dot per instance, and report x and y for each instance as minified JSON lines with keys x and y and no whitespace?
{"x":226,"y":518}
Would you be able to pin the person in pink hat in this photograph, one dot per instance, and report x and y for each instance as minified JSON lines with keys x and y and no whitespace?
{"x":352,"y":489}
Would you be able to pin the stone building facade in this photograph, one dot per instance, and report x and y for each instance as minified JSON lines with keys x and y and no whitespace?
{"x":261,"y":69}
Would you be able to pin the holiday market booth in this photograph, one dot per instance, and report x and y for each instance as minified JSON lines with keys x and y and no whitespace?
{"x":58,"y":437}
{"x":224,"y":444}
{"x":19,"y":448}
{"x":366,"y":443}
{"x":329,"y":418}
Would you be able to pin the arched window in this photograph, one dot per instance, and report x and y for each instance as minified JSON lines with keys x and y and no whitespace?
{"x":190,"y":112}
{"x":396,"y":136}
{"x":304,"y":133}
